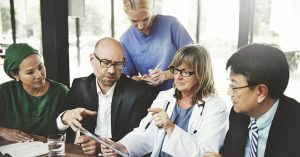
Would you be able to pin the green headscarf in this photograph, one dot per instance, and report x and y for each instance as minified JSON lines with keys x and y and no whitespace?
{"x":15,"y":54}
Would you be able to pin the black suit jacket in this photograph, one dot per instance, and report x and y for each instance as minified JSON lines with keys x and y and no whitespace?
{"x":284,"y":134}
{"x":129,"y":104}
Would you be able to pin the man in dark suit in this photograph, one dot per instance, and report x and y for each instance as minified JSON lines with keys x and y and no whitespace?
{"x":106,"y":102}
{"x":263,"y":121}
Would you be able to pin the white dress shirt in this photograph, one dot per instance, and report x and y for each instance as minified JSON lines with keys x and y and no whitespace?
{"x":103,"y":125}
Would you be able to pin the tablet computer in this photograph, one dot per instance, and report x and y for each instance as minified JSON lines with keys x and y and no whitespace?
{"x":99,"y":140}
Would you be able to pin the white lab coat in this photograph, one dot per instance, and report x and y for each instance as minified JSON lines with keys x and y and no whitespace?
{"x":206,"y":132}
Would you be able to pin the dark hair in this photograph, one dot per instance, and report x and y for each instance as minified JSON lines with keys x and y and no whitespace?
{"x":262,"y":64}
{"x":197,"y":58}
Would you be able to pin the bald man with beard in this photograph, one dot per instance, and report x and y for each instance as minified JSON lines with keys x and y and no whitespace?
{"x":107,"y":103}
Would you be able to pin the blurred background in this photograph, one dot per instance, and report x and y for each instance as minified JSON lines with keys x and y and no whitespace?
{"x":65,"y":32}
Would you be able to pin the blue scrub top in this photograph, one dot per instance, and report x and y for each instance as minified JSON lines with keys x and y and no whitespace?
{"x":144,"y":52}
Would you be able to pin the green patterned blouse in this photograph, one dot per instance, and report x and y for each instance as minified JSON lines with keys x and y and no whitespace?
{"x":31,"y":114}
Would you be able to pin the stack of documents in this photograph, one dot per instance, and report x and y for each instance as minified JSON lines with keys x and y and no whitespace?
{"x":26,"y":149}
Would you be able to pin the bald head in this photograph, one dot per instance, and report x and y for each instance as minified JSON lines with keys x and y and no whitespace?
{"x":108,"y":47}
{"x":108,"y":51}
{"x":107,"y":41}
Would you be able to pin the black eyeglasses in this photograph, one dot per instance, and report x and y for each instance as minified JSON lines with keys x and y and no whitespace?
{"x":107,"y":63}
{"x":184,"y":73}
{"x":232,"y":88}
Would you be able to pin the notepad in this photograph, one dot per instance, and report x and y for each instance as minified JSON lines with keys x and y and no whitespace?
{"x":25,"y":149}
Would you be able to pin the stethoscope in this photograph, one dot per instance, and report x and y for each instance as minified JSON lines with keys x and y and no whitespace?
{"x":202,"y":106}
{"x":201,"y":112}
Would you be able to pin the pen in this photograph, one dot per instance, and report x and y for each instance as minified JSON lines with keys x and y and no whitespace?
{"x":158,"y":64}
{"x":148,"y":124}
{"x":154,"y":68}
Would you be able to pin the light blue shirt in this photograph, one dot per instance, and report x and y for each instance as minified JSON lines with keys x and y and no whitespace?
{"x":144,"y":52}
{"x":263,"y":123}
{"x":181,"y":118}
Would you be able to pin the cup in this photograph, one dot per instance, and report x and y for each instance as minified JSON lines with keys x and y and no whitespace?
{"x":56,"y":145}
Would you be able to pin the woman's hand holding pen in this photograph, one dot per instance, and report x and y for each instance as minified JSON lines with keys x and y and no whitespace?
{"x":154,"y":78}
{"x":157,"y":77}
{"x":161,"y":118}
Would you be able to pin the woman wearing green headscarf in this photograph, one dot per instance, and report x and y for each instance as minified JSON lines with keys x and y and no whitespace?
{"x":30,"y":103}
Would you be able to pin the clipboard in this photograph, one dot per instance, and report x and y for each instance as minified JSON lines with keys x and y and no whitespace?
{"x":99,"y":140}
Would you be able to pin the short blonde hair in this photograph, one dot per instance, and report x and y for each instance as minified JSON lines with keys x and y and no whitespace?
{"x":137,"y":5}
{"x":197,"y":58}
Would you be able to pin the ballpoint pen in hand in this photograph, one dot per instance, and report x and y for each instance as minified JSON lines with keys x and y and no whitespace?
{"x":154,"y":72}
{"x":152,"y":69}
{"x":158,"y":64}
{"x":159,"y":126}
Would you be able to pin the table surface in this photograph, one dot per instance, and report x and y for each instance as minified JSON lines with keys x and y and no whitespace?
{"x":72,"y":150}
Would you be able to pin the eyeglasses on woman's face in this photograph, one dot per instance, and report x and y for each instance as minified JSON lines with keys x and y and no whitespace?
{"x":105,"y":63}
{"x":184,"y":73}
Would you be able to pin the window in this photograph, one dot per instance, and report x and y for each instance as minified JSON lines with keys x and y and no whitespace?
{"x":185,"y":12}
{"x":5,"y":24}
{"x":278,"y":22}
{"x":28,"y":27}
{"x":219,"y":27}
{"x":5,"y":35}
{"x":275,"y":21}
{"x":93,"y":26}
{"x":122,"y":22}
{"x":28,"y":23}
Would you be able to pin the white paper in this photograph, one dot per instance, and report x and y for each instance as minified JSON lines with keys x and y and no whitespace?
{"x":25,"y":149}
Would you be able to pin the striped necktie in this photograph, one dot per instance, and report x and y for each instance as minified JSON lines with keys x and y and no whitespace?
{"x":254,"y":139}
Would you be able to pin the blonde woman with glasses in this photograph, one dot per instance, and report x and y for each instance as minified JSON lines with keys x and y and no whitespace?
{"x":187,"y":120}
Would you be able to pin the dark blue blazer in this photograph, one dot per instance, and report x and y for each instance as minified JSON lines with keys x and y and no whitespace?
{"x":284,"y":134}
{"x":129,"y":104}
